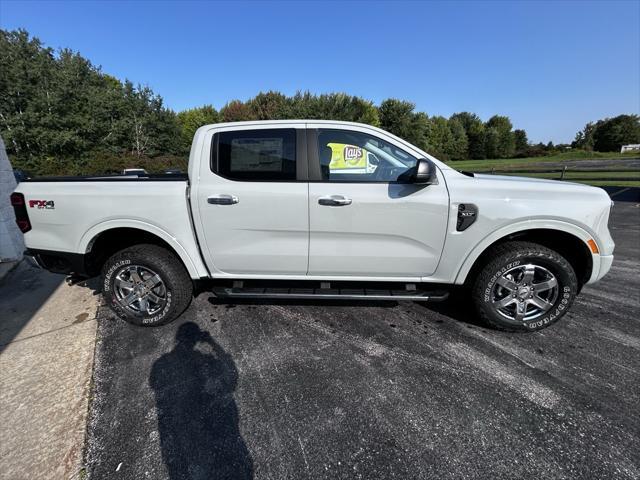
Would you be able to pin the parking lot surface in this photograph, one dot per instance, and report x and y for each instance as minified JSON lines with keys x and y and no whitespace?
{"x":47,"y":339}
{"x":318,"y":390}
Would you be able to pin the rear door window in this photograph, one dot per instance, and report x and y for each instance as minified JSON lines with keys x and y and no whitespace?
{"x":256,"y":155}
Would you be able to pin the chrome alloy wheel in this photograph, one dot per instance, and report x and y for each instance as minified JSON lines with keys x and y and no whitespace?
{"x":524,"y":293}
{"x":140,"y":290}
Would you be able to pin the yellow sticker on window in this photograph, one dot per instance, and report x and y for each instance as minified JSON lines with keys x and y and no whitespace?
{"x":348,"y":158}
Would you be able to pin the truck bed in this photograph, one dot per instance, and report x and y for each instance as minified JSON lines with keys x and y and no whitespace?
{"x":68,"y":214}
{"x":160,"y":177}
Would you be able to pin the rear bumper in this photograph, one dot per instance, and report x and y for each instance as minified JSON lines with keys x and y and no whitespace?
{"x":57,"y":262}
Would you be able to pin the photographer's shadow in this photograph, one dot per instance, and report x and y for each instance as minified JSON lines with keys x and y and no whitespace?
{"x":197,"y":414}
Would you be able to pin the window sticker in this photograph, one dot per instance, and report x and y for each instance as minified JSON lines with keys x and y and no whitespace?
{"x":347,"y":158}
{"x":251,"y":154}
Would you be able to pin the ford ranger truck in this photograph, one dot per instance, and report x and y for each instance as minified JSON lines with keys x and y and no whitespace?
{"x":320,"y":209}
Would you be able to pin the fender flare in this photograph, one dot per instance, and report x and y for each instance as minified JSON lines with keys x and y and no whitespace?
{"x":90,"y":235}
{"x":523,"y":226}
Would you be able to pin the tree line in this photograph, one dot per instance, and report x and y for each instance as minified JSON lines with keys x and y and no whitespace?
{"x":60,"y":114}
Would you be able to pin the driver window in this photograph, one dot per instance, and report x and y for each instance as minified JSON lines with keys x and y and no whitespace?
{"x":347,"y":156}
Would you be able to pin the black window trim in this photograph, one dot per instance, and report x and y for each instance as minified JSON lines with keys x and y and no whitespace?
{"x":302,"y":172}
{"x":315,"y":175}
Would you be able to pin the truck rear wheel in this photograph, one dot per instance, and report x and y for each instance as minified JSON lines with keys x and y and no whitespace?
{"x":524,"y":287}
{"x":146,"y":285}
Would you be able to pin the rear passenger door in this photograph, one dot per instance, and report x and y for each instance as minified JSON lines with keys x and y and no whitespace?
{"x":252,"y":201}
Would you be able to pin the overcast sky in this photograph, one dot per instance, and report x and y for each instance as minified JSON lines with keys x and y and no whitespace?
{"x":550,"y":66}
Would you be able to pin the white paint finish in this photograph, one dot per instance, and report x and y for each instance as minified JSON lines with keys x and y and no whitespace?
{"x":604,"y":266}
{"x":194,"y":264}
{"x":512,"y":204}
{"x":265,"y":233}
{"x":85,"y":209}
{"x":384,"y":234}
{"x":389,"y":230}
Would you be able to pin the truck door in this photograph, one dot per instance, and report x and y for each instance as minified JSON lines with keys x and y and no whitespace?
{"x":252,"y":201}
{"x":364,"y":219}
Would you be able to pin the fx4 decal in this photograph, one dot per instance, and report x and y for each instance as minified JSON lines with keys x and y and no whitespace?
{"x":48,"y":204}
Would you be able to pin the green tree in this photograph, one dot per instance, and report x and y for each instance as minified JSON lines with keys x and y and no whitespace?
{"x":340,"y":106}
{"x":58,"y":111}
{"x":333,"y":106}
{"x":190,"y":120}
{"x":504,"y":145}
{"x":521,"y":141}
{"x":398,"y":117}
{"x":491,"y":142}
{"x":584,"y":139}
{"x":440,"y":138}
{"x":458,"y":149}
{"x":237,"y":111}
{"x":270,"y":106}
{"x":420,"y":131}
{"x":611,"y":133}
{"x":474,"y":129}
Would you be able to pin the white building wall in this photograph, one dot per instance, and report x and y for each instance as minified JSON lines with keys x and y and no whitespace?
{"x":11,"y":241}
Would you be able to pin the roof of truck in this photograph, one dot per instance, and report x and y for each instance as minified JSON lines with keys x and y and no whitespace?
{"x":294,"y":120}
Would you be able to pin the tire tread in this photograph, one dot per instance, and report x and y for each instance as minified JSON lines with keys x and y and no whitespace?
{"x":503,"y":253}
{"x":169,"y":265}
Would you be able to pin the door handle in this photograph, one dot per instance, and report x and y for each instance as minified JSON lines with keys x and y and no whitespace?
{"x":222,"y":199}
{"x":334,"y":201}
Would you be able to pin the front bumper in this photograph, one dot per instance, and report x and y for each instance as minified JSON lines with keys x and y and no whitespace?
{"x":601,"y":266}
{"x":605,"y":265}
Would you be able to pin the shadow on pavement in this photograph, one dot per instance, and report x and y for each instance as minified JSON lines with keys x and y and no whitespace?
{"x":197,"y":413}
{"x":458,"y":307}
{"x":23,"y":292}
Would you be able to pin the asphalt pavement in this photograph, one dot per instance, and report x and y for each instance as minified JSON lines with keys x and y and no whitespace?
{"x":295,"y":390}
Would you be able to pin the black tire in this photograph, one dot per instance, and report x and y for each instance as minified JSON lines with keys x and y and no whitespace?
{"x":487,"y":290}
{"x":175,"y":290}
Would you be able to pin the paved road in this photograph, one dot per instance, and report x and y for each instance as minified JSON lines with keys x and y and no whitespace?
{"x":304,"y":390}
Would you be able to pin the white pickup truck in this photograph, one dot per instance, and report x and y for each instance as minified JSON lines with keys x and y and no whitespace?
{"x":320,"y":209}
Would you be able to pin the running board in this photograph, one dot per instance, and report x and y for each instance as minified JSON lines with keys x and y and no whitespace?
{"x":332,"y":294}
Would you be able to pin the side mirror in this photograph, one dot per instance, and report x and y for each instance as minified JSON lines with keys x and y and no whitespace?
{"x":425,"y":173}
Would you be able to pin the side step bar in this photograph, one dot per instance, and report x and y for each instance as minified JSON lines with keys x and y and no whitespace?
{"x":332,"y":294}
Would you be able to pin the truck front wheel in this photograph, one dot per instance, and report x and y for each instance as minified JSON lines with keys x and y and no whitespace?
{"x":524,"y":287}
{"x":146,"y":285}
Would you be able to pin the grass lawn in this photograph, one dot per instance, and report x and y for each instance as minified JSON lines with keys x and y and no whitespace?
{"x":569,"y":175}
{"x":617,"y":176}
{"x":506,"y":163}
{"x":610,"y":183}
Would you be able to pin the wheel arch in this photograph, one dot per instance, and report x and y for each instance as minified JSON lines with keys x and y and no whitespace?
{"x":105,"y":239}
{"x":569,"y":241}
